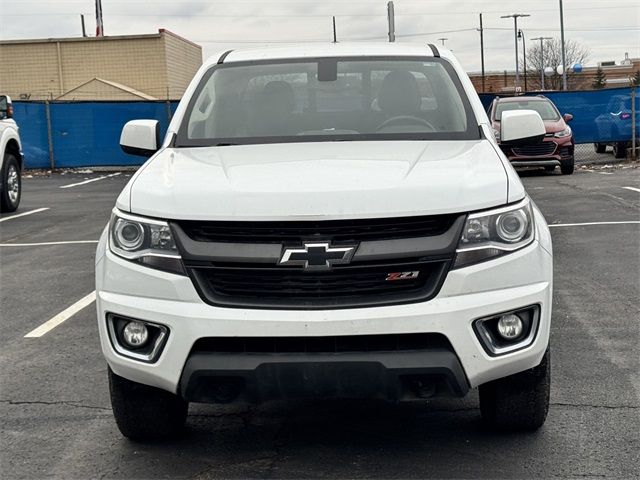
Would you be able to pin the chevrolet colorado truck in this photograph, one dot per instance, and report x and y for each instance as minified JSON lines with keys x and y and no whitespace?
{"x":327,"y":221}
{"x":10,"y":158}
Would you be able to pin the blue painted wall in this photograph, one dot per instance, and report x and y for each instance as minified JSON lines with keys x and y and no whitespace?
{"x":88,"y":133}
{"x":84,"y":134}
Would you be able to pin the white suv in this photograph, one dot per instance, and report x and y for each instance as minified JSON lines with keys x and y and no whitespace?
{"x":10,"y":158}
{"x":326,"y":221}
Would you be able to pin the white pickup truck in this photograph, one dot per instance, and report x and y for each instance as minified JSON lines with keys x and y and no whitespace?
{"x":326,"y":221}
{"x":10,"y":158}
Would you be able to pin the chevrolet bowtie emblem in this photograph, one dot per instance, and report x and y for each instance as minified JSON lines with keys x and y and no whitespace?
{"x":317,"y":255}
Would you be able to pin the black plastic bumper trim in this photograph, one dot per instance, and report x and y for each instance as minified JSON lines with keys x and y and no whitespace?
{"x":362,"y":375}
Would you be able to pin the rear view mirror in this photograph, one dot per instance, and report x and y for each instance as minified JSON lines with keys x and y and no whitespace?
{"x":519,"y":127}
{"x":6,"y":108}
{"x":141,"y":137}
{"x":567,"y":117}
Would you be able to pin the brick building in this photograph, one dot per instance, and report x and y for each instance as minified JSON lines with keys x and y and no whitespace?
{"x":130,"y":67}
{"x":617,"y":75}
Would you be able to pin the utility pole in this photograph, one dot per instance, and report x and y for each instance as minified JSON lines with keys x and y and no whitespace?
{"x":482,"y":53}
{"x":443,"y":40}
{"x":335,"y":36}
{"x":84,"y":29}
{"x":542,"y":39}
{"x":99,"y":23}
{"x":392,"y":22}
{"x":524,"y":56}
{"x":515,"y":17}
{"x":564,"y":64}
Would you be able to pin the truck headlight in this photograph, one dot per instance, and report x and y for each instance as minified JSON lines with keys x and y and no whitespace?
{"x":564,"y":133}
{"x":494,"y":233}
{"x":144,"y":240}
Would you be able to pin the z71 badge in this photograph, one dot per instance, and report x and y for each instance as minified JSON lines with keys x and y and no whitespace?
{"x":392,"y":277}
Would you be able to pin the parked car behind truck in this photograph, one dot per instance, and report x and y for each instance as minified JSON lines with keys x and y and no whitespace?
{"x":617,"y":125}
{"x":10,"y":158}
{"x":326,"y":221}
{"x":558,"y":147}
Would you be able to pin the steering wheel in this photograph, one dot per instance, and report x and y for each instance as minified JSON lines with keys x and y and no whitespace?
{"x":405,"y":120}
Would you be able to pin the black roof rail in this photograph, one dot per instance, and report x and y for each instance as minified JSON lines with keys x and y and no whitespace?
{"x":223,"y":56}
{"x":434,"y":49}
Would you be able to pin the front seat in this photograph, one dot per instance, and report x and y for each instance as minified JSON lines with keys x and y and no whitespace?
{"x":399,"y":94}
{"x":271,"y":114}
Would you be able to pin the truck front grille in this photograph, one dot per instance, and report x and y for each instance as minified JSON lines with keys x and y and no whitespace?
{"x":343,"y":286}
{"x":397,"y":260}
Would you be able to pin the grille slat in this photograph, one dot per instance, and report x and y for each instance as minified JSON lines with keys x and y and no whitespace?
{"x":336,"y":230}
{"x":331,"y":344}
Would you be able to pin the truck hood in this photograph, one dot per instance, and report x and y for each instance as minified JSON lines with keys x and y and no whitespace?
{"x":329,"y":180}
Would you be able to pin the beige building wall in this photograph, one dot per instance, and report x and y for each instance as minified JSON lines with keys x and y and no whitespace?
{"x":157,"y":65}
{"x":183,"y":61}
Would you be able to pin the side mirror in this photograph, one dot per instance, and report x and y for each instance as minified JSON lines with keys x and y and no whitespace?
{"x":6,"y":108}
{"x":567,"y":117}
{"x":141,"y":137}
{"x":520,"y":127}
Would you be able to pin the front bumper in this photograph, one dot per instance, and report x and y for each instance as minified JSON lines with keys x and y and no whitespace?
{"x":507,"y":283}
{"x":564,"y":151}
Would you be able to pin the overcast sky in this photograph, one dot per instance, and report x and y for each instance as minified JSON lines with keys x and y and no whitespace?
{"x":608,"y":27}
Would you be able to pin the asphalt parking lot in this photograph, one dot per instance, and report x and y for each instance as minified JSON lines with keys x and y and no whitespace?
{"x":56,"y":416}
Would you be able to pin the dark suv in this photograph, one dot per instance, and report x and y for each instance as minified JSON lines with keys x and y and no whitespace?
{"x":558,"y":145}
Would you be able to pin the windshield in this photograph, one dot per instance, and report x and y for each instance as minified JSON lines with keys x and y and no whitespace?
{"x":545,"y":108}
{"x":327,"y":100}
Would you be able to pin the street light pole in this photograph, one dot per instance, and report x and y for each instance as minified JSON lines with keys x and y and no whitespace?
{"x":515,"y":17}
{"x":564,"y":64}
{"x":542,"y":39}
{"x":524,"y":56}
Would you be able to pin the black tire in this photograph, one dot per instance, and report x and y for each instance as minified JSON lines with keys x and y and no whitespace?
{"x":146,"y":413}
{"x":520,"y":401}
{"x":9,"y":198}
{"x":549,"y":169}
{"x":600,"y":147}
{"x":620,"y":149}
{"x":567,"y":166}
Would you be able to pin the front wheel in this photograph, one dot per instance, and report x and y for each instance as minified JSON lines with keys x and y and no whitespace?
{"x":11,"y":184}
{"x":520,"y":401}
{"x":145,"y":413}
{"x":620,"y":149}
{"x":567,"y":166}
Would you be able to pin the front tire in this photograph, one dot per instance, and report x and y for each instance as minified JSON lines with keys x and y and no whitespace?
{"x":620,"y":149}
{"x":520,"y":401}
{"x":567,"y":166}
{"x":145,"y":413}
{"x":11,"y":184}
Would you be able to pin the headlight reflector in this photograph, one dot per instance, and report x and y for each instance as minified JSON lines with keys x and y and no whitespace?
{"x":564,"y":133}
{"x":144,"y":240}
{"x":495,"y":233}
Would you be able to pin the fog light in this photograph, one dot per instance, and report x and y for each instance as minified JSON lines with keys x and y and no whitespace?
{"x":135,"y":334}
{"x":510,"y":326}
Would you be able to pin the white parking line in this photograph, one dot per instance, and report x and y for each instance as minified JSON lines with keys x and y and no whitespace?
{"x":62,"y":316}
{"x":42,"y":244}
{"x":23,"y":214}
{"x":630,"y":222}
{"x":632,"y":189}
{"x":90,"y":180}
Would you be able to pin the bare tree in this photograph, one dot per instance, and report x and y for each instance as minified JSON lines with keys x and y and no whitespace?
{"x":574,"y":53}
